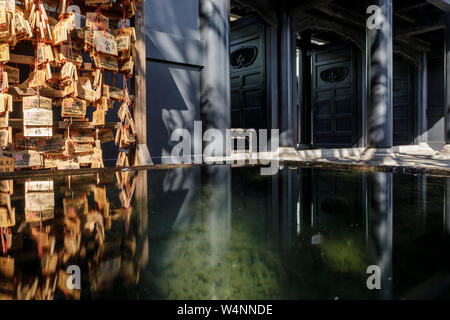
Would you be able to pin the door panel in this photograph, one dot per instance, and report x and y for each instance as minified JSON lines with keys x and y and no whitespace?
{"x":248,"y":85}
{"x":334,"y":98}
{"x":403,"y":116}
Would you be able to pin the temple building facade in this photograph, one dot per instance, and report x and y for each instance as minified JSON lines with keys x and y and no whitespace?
{"x":327,"y":74}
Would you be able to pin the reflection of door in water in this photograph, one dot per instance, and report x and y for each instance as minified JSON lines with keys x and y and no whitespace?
{"x":403,"y":103}
{"x":334,"y":98}
{"x":248,"y":101}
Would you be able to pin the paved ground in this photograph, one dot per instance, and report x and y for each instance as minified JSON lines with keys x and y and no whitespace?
{"x":421,"y":157}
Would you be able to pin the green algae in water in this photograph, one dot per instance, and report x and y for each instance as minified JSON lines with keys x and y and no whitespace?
{"x":195,"y":270}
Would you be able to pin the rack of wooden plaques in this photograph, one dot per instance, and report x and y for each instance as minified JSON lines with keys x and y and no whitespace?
{"x":64,"y":67}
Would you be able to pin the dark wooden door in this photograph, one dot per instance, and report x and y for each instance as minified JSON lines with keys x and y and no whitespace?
{"x":403,"y":116}
{"x":334,"y":97}
{"x":248,"y":74}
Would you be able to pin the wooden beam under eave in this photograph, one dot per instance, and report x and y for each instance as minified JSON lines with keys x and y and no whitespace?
{"x":405,"y":17}
{"x":413,"y":43}
{"x":343,"y":14}
{"x":266,"y":9}
{"x":308,"y":5}
{"x":310,"y":21}
{"x":356,"y":34}
{"x":444,"y":5}
{"x":412,"y":6}
{"x":437,"y":24}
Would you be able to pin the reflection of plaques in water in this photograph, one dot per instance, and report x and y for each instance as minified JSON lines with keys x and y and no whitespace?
{"x":7,"y":213}
{"x":7,"y":216}
{"x":5,"y":199}
{"x":100,"y":278}
{"x":76,"y":207}
{"x":63,"y":276}
{"x":7,"y":289}
{"x":100,"y":196}
{"x":37,"y":216}
{"x":6,"y":267}
{"x":39,"y":200}
{"x":34,"y":186}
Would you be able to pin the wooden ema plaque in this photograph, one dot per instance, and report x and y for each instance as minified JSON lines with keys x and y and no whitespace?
{"x":73,"y":108}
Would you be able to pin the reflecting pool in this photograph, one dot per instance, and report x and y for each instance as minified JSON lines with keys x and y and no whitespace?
{"x":225,"y":233}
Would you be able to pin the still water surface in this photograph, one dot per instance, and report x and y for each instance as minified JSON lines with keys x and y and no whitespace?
{"x":223,"y":233}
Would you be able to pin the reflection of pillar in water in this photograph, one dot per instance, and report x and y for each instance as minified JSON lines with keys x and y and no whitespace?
{"x":218,"y":213}
{"x":288,"y":212}
{"x":380,"y":222}
{"x":305,"y":201}
{"x":423,"y":196}
{"x":365,"y":205}
{"x":447,"y":206}
{"x":141,"y":209}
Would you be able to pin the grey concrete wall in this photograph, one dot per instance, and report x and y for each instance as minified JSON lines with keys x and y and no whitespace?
{"x":175,"y":56}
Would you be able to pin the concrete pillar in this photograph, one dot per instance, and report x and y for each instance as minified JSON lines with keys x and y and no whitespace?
{"x":305,"y":91}
{"x":380,"y":226}
{"x":379,"y":113}
{"x":215,"y":105}
{"x":444,"y":153}
{"x":447,"y":80}
{"x":424,"y":99}
{"x":287,"y":50}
